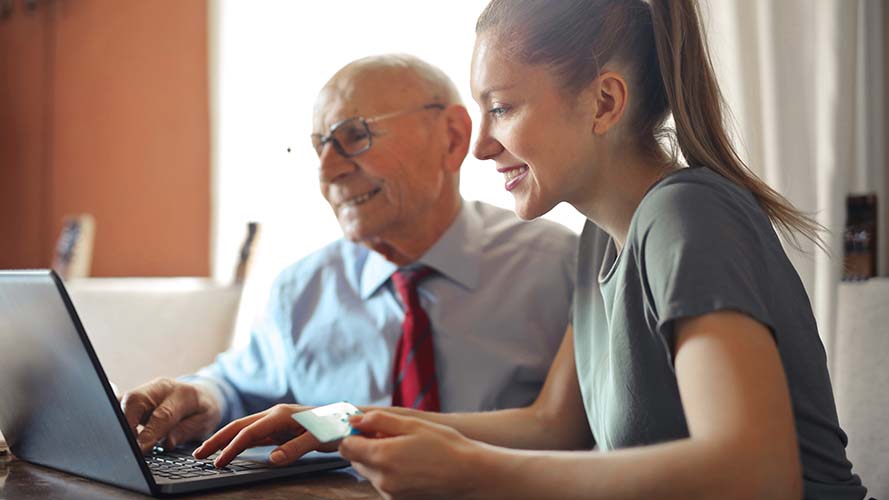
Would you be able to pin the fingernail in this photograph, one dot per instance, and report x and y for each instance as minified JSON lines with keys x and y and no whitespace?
{"x":277,"y":456}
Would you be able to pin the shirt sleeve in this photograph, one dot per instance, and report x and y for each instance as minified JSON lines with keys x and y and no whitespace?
{"x":701,"y":249}
{"x":253,"y":377}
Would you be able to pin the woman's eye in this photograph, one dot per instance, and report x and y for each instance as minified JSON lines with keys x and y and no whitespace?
{"x":497,"y":111}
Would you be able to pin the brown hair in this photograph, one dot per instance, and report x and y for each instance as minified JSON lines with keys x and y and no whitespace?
{"x":661,"y":44}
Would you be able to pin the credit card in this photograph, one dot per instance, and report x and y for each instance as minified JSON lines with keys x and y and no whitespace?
{"x":328,"y":423}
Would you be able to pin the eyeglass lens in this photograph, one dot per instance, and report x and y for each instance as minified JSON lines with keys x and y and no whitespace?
{"x":349,"y":137}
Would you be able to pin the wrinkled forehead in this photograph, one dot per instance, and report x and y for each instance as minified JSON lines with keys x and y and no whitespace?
{"x":365,"y":93}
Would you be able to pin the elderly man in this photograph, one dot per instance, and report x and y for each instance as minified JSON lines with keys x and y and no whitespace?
{"x":429,"y":301}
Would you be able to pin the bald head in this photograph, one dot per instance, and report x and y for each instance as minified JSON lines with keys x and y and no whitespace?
{"x":408,"y":69}
{"x":393,"y":80}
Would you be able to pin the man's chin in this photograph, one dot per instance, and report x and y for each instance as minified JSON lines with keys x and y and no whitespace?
{"x":355,"y":232}
{"x":372,"y":240}
{"x":388,"y":251}
{"x":369,"y":239}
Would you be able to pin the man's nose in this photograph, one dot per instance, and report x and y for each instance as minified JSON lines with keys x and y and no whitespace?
{"x":333,"y":165}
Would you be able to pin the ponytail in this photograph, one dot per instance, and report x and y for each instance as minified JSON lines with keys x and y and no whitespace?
{"x":696,"y":104}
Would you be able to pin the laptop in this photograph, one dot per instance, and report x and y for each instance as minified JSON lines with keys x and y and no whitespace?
{"x":57,"y":408}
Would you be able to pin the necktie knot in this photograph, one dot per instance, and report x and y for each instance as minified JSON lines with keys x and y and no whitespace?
{"x":406,"y":281}
{"x":411,"y":277}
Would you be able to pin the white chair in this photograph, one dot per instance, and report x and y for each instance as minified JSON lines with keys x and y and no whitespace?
{"x":860,"y":376}
{"x":142,"y":328}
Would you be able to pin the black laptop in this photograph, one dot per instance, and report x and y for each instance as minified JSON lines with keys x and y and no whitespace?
{"x":57,"y":408}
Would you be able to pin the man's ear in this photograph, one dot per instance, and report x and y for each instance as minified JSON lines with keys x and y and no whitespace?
{"x":609,"y":97}
{"x":459,"y":129}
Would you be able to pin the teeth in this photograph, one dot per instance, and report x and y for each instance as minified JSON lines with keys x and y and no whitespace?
{"x":515,"y":172}
{"x":358,"y":200}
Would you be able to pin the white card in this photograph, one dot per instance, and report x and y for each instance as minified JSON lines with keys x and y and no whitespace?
{"x":330,"y":422}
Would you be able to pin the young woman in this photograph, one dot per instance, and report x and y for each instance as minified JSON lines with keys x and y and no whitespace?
{"x":694,"y":363}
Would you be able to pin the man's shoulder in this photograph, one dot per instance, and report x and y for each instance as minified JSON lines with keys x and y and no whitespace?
{"x":503,"y":228}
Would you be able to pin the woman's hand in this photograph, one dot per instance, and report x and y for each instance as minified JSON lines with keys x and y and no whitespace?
{"x":405,"y":457}
{"x":273,"y":426}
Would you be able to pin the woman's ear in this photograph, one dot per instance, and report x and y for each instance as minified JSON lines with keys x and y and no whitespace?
{"x":609,"y":95}
{"x":459,"y":130}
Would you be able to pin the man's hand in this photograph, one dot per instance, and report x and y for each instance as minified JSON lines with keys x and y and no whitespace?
{"x":273,"y":426}
{"x":176,"y":411}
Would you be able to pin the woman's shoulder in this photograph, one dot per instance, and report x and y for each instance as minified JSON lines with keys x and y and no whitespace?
{"x":697,"y":195}
{"x":691,"y":186}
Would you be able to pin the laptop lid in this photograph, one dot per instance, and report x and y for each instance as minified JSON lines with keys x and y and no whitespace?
{"x":56,"y":406}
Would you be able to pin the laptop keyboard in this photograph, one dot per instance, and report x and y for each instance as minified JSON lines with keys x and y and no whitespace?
{"x":174,"y":465}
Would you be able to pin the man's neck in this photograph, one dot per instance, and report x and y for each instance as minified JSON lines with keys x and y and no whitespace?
{"x":408,"y":244}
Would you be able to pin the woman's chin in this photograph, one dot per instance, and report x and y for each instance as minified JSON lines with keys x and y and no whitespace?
{"x":526,"y":210}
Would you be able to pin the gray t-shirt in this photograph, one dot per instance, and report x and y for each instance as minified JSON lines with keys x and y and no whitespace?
{"x":696,"y":244}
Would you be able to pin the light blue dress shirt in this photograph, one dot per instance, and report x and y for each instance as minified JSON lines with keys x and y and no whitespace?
{"x":499,"y":306}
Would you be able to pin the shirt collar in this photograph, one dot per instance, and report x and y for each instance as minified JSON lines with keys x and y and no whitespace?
{"x":456,"y":255}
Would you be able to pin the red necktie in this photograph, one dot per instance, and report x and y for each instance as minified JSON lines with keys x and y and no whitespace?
{"x":414,"y":384}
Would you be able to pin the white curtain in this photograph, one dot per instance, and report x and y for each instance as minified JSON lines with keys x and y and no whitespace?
{"x":804,"y":80}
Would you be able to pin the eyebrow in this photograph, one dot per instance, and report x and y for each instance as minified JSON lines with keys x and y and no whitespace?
{"x":487,"y":93}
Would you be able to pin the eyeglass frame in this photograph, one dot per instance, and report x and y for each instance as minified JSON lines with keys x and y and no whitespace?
{"x":329,"y":138}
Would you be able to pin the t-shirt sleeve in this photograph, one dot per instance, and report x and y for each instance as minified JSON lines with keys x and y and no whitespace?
{"x":701,"y":250}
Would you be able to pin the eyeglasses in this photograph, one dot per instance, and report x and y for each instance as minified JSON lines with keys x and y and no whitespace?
{"x":352,"y":136}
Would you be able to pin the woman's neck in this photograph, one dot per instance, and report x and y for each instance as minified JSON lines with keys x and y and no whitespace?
{"x":622,"y":182}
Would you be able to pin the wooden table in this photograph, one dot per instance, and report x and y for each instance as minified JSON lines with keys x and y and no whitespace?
{"x":23,"y":481}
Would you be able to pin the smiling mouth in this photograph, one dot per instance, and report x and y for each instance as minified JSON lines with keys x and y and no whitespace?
{"x":512,"y":173}
{"x":361,"y":199}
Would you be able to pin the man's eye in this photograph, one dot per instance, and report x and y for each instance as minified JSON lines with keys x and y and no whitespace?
{"x":354,"y":135}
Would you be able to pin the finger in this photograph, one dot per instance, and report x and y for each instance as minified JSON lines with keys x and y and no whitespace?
{"x":167,"y":414}
{"x":359,"y":449}
{"x":135,"y":406}
{"x":384,"y":423}
{"x":138,"y":404}
{"x":368,"y":472}
{"x":292,"y":450}
{"x":255,"y":433}
{"x":189,"y":429}
{"x":225,"y":435}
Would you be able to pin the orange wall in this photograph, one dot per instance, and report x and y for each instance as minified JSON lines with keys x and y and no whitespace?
{"x":24,"y":237}
{"x":127,"y":134}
